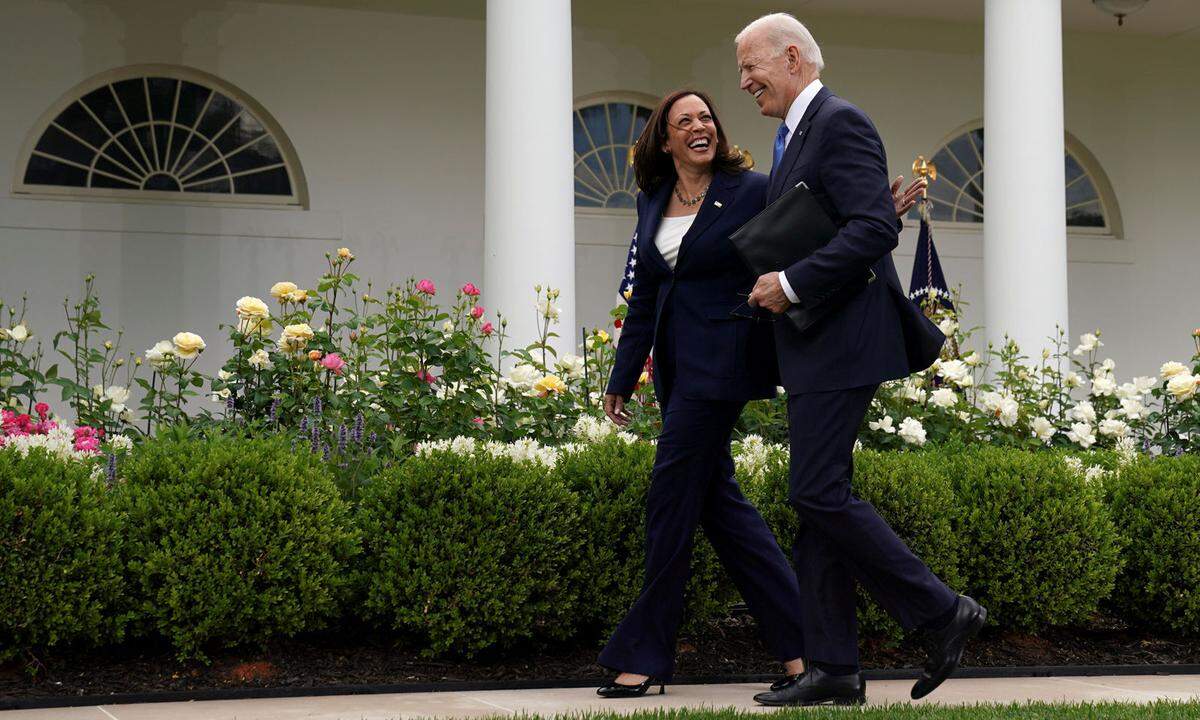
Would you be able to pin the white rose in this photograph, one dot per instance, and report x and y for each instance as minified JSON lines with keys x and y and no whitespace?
{"x":885,"y":424}
{"x":220,"y":395}
{"x":1074,"y":380}
{"x":19,"y":332}
{"x":1108,"y":365}
{"x":948,"y":327}
{"x":547,"y":309}
{"x":943,"y":397}
{"x":1133,"y":409}
{"x":1103,"y":385}
{"x":1042,"y":429}
{"x":1083,"y":411}
{"x":570,"y":365}
{"x":119,"y":394}
{"x":1114,"y":428}
{"x":260,"y":360}
{"x":224,"y":375}
{"x":971,"y":358}
{"x":448,"y":328}
{"x":964,"y":416}
{"x":1081,"y":434}
{"x":160,"y":355}
{"x":911,"y":390}
{"x":1145,"y":384}
{"x":1183,"y":387}
{"x":1087,"y":343}
{"x":1003,"y":407}
{"x":1127,"y":390}
{"x":955,"y":371}
{"x":911,"y":431}
{"x":523,"y":376}
{"x":1171,"y":369}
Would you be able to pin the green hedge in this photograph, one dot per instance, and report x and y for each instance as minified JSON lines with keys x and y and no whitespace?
{"x":611,"y":479}
{"x":910,"y":490}
{"x":233,"y":541}
{"x":1156,"y":504}
{"x":61,"y":577}
{"x":223,"y":541}
{"x":466,"y":554}
{"x":1039,"y":545}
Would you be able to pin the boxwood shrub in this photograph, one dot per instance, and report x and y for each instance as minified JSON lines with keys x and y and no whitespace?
{"x":1156,"y":504}
{"x":611,"y":479}
{"x":470,"y":553}
{"x":61,"y":577}
{"x":233,"y":541}
{"x":1039,"y":545}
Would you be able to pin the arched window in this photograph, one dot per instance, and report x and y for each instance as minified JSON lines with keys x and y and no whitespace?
{"x":161,"y":133}
{"x":957,"y":194}
{"x":606,"y":126}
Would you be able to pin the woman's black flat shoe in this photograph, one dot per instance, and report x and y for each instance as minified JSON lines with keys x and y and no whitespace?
{"x":617,"y":690}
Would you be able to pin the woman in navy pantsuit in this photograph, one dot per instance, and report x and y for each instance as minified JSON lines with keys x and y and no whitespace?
{"x":711,"y":356}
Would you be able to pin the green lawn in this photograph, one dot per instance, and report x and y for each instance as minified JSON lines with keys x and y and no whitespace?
{"x":1032,"y":711}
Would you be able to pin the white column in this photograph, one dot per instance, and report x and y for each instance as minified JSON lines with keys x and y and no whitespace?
{"x":529,"y":201}
{"x":1024,"y":231}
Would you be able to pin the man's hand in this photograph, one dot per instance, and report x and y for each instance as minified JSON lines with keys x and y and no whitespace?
{"x":768,"y":293}
{"x":614,"y":408}
{"x":904,"y":201}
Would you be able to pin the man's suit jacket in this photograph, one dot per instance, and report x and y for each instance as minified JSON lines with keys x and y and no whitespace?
{"x":878,"y":334}
{"x":717,"y":355}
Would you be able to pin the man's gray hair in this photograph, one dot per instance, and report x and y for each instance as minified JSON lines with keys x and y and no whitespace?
{"x":782,"y":30}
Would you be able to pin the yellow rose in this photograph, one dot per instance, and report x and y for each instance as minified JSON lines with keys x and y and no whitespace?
{"x":549,"y":384}
{"x":345,"y":254}
{"x":282,"y":291}
{"x":252,"y":307}
{"x":1183,"y":386}
{"x":295,"y":337}
{"x":299,"y":296}
{"x":645,"y":376}
{"x":603,"y":336}
{"x":188,"y":345}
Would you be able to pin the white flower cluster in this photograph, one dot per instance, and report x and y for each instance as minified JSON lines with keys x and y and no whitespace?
{"x":1090,"y":474}
{"x":752,"y":456}
{"x":524,"y":451}
{"x":59,"y":442}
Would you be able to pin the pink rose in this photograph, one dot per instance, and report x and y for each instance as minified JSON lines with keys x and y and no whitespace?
{"x":426,"y":286}
{"x":426,"y":376}
{"x":333,"y":363}
{"x":477,"y":312}
{"x":87,"y":444}
{"x":42,"y":410}
{"x":477,"y":421}
{"x":470,"y":290}
{"x":487,"y":328}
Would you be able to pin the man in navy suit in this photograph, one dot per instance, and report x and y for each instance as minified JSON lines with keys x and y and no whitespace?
{"x":832,"y":370}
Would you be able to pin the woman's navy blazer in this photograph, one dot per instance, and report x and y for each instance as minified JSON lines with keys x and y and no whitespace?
{"x":718,"y":356}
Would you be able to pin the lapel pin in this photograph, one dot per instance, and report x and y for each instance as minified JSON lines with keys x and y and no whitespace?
{"x":717,"y":203}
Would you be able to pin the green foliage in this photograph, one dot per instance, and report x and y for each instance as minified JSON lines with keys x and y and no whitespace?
{"x":470,"y":553}
{"x":1040,"y":547}
{"x":611,"y":479}
{"x":233,"y":541}
{"x":61,"y":576}
{"x":911,"y":491}
{"x":1156,"y":505}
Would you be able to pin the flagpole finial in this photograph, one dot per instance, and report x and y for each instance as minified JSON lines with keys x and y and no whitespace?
{"x":747,"y":158}
{"x":922,"y":168}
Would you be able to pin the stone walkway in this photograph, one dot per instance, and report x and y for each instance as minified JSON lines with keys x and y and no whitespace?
{"x":499,"y":703}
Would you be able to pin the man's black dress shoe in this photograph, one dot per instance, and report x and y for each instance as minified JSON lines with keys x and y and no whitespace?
{"x":816,"y":687}
{"x":946,"y":645}
{"x":784,"y":681}
{"x":617,"y":690}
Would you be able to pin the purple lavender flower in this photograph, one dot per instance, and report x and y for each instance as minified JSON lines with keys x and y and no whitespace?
{"x":314,"y":435}
{"x":230,"y":403}
{"x":111,"y":470}
{"x":304,"y":424}
{"x":359,"y":424}
{"x":317,"y":406}
{"x":343,"y":435}
{"x":274,"y":413}
{"x":372,"y":438}
{"x":325,"y":451}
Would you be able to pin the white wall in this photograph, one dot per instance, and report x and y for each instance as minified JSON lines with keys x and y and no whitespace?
{"x":385,"y":109}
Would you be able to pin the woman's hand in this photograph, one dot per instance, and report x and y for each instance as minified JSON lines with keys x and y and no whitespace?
{"x":614,"y":408}
{"x":905,"y":200}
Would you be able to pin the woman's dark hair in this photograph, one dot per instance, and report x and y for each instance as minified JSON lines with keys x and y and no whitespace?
{"x":652,"y":167}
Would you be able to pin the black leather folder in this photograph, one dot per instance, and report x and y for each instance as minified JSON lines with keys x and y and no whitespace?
{"x":784,"y":233}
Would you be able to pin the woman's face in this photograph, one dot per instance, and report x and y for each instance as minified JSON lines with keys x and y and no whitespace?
{"x":691,"y":132}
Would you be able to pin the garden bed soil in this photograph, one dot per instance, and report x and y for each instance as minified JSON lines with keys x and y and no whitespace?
{"x":730,"y":648}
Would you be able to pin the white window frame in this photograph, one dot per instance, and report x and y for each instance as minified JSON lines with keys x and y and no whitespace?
{"x":299,"y":198}
{"x":611,"y":96}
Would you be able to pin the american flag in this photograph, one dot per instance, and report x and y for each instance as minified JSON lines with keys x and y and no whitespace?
{"x":626,"y":287}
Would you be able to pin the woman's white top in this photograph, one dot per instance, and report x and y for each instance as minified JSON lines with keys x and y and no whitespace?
{"x":670,"y":234}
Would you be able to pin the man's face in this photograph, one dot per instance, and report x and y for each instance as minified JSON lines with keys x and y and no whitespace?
{"x":764,"y":74}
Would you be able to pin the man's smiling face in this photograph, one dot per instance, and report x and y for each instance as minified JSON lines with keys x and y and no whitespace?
{"x":764,"y":74}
